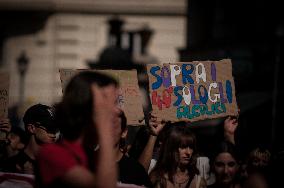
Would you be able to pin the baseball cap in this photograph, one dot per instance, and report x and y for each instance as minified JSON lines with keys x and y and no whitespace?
{"x":41,"y":115}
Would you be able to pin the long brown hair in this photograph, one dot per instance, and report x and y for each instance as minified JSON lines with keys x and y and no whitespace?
{"x":178,"y":135}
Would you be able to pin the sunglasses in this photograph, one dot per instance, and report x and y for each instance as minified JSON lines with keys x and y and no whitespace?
{"x":50,"y":131}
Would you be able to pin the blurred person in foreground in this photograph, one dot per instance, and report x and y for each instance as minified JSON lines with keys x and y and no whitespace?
{"x":85,"y":116}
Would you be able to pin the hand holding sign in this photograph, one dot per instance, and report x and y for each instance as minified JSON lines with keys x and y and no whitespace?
{"x":5,"y":124}
{"x":230,"y":126}
{"x":4,"y":94}
{"x":156,"y":124}
{"x":5,"y":128}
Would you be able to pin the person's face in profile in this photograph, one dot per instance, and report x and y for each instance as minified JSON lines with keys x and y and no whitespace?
{"x":44,"y":135}
{"x":225,"y":167}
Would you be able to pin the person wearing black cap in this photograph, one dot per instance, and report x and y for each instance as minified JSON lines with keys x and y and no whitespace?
{"x":40,"y":128}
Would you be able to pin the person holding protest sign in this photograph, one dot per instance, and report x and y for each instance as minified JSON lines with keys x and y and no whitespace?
{"x":176,"y":165}
{"x":85,"y":116}
{"x":156,"y":125}
{"x":229,"y":126}
{"x":5,"y":128}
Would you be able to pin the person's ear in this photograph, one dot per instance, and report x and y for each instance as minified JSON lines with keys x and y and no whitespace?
{"x":30,"y":128}
{"x":124,"y":133}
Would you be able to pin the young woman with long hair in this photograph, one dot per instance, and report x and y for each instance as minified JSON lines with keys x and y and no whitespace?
{"x":176,"y":165}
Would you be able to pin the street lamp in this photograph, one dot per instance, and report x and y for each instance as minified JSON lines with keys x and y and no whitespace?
{"x":23,"y":62}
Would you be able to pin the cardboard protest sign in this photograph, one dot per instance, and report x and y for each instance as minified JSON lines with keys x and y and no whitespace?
{"x":192,"y":91}
{"x":4,"y":94}
{"x":129,"y":100}
{"x":65,"y":76}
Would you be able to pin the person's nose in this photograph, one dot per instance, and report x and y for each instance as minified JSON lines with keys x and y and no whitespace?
{"x":52,"y":136}
{"x":226,"y":169}
{"x":187,"y":151}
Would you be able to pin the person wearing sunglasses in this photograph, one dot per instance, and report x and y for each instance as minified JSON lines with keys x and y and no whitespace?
{"x":40,"y":129}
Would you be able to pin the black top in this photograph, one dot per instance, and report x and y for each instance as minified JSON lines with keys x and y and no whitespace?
{"x":132,"y":172}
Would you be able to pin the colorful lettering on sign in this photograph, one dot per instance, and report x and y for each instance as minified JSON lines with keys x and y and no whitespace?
{"x":197,"y":93}
{"x":214,"y":93}
{"x":164,"y":100}
{"x":197,"y":110}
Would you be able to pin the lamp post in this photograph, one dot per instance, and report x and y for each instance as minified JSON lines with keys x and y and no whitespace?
{"x":23,"y":62}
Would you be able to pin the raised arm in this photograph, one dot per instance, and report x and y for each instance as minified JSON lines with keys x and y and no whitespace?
{"x":104,"y":113}
{"x":105,"y":176}
{"x":230,"y":126}
{"x":5,"y":124}
{"x":5,"y":128}
{"x":155,"y":125}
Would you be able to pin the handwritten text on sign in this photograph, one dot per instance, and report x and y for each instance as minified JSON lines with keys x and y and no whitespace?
{"x":4,"y":94}
{"x":129,"y":98}
{"x":192,"y":91}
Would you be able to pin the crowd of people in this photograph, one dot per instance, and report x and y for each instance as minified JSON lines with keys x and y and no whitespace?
{"x":81,"y":142}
